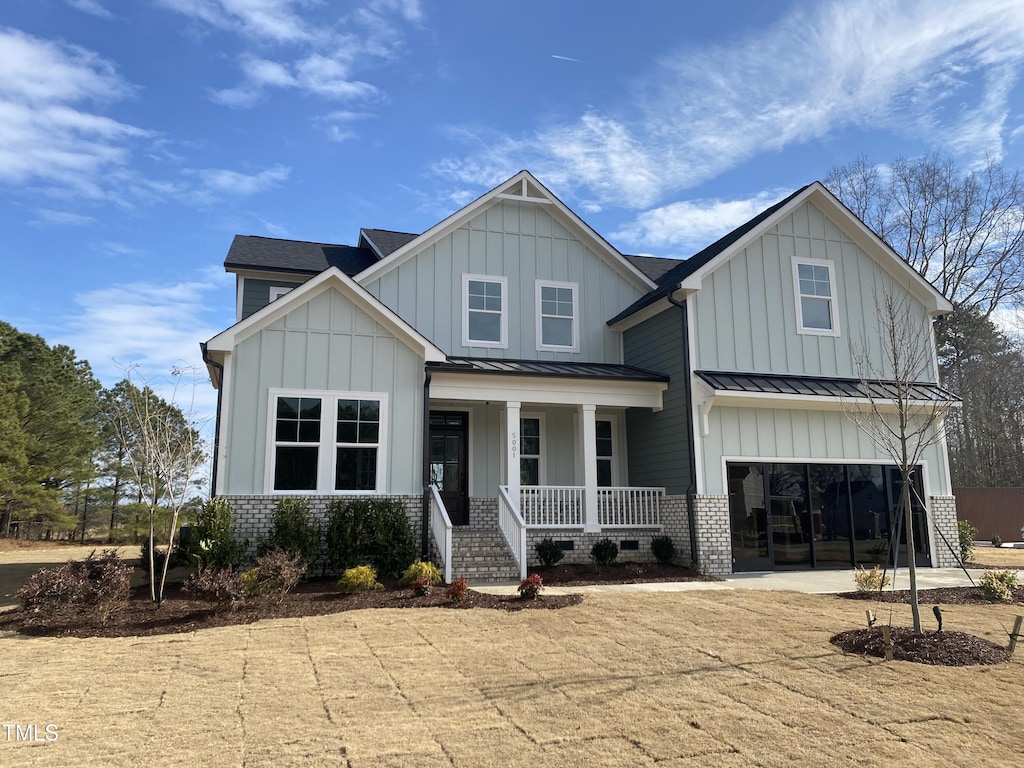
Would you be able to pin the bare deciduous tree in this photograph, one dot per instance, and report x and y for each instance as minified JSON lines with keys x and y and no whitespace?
{"x":898,"y":415}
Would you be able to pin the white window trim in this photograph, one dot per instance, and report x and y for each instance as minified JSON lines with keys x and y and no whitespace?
{"x":275,"y":292}
{"x":574,"y":287}
{"x":328,"y":444}
{"x":466,"y":341}
{"x":542,"y":470}
{"x":833,"y":300}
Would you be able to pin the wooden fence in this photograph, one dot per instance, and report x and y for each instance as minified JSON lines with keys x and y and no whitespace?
{"x":992,"y":511}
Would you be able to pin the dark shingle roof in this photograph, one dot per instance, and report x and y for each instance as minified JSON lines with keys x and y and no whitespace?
{"x":546,"y":368}
{"x":818,"y":386}
{"x":670,"y":279}
{"x":385,"y":241}
{"x":653,"y":266}
{"x":275,"y":255}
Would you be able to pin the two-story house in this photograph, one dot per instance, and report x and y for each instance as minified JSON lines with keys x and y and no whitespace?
{"x":512,"y":377}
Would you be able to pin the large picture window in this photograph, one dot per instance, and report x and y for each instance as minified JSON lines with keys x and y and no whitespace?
{"x":557,"y":326}
{"x":816,"y":301}
{"x":327,"y":442}
{"x":485,"y":311}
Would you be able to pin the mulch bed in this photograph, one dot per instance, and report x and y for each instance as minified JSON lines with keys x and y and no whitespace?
{"x":582,"y":574}
{"x":316,"y":597}
{"x":942,"y":596}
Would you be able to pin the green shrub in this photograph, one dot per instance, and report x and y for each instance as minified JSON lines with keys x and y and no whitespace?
{"x":604,"y":552}
{"x":96,"y":587}
{"x":456,"y":591}
{"x":997,"y":540}
{"x":275,"y":575}
{"x":369,"y":531}
{"x":663,"y":549}
{"x":531,"y":586}
{"x":362,"y":578}
{"x":999,"y":585}
{"x":967,"y":533}
{"x":548,"y":551}
{"x":293,"y":531}
{"x":222,"y":587}
{"x":214,"y":544}
{"x":870,"y":581}
{"x":422,"y":569}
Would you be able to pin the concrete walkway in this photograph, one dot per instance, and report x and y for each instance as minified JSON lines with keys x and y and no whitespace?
{"x":814,"y":582}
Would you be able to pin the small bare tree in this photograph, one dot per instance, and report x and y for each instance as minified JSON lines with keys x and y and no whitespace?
{"x":164,"y":450}
{"x":900,"y":417}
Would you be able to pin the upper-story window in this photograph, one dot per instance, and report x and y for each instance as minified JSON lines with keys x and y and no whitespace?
{"x":816,"y":297}
{"x":277,"y":291}
{"x":485,"y":311}
{"x":557,"y":316}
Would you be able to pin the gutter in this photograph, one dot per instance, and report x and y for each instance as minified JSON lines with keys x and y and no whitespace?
{"x":690,"y":441}
{"x":425,"y":522}
{"x":216,"y":428}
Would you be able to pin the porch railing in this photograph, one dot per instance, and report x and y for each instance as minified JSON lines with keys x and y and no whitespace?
{"x":513,"y":528}
{"x":441,"y":528}
{"x":551,"y":506}
{"x":629,"y":507}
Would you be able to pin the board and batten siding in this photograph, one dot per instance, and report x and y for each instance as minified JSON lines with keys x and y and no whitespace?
{"x":256,"y":293}
{"x":745,"y":313}
{"x":522,"y":242}
{"x":325,"y":344}
{"x":656,"y":440}
{"x":777,"y":434}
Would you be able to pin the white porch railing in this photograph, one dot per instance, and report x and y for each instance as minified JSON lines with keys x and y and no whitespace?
{"x":513,"y":528}
{"x":441,"y":528}
{"x":629,"y":507}
{"x":551,"y":506}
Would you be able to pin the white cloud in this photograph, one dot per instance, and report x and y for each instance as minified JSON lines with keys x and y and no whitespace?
{"x":219,"y":182}
{"x":263,"y":19}
{"x":47,"y":216}
{"x":693,"y":224}
{"x":337,"y":124}
{"x":92,"y":7}
{"x":940,"y":71}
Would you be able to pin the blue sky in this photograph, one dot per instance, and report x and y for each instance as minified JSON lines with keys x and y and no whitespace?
{"x":138,"y":136}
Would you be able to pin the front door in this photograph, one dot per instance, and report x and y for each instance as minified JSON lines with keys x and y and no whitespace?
{"x":449,"y":438}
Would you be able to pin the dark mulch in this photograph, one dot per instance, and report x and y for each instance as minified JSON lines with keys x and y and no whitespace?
{"x":317,"y":597}
{"x":575,"y":575}
{"x":943,"y":596}
{"x":950,"y":649}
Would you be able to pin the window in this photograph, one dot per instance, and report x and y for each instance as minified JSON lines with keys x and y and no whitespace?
{"x":605,"y":453}
{"x":529,"y":451}
{"x":556,"y":316}
{"x":277,"y":291}
{"x":326,"y":442}
{"x":485,"y":311}
{"x":816,"y":297}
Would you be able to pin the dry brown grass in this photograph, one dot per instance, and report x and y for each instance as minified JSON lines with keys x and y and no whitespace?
{"x":1006,"y":557}
{"x":722,"y":678}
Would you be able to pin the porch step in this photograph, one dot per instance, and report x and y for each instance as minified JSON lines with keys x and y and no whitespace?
{"x":482,"y":557}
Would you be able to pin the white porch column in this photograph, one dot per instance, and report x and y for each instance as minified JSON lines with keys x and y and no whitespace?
{"x":513,"y":438}
{"x":588,"y":440}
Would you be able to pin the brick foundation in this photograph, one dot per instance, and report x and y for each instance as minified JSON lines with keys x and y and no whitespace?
{"x":942,"y":513}
{"x":714,"y":536}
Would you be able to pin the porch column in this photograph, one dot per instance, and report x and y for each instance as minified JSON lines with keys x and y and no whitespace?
{"x":512,"y":450}
{"x":588,"y":440}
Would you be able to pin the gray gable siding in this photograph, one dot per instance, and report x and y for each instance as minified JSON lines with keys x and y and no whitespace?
{"x":522,"y":242}
{"x":745,"y":312}
{"x":657,"y":444}
{"x":256,"y":293}
{"x":325,"y":344}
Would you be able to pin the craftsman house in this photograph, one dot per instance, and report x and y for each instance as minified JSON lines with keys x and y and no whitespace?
{"x":511,"y":376}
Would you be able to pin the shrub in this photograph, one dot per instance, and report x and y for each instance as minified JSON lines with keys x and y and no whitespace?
{"x":213,"y":537}
{"x":456,"y":591}
{"x":222,"y":587}
{"x":967,"y":533}
{"x":870,"y":581}
{"x":293,"y":531}
{"x":362,"y":578}
{"x":663,"y":549}
{"x":96,"y":585}
{"x":604,"y":552}
{"x":374,"y":531}
{"x":531,"y":586}
{"x":421,"y":569}
{"x":421,"y":585}
{"x":999,"y":585}
{"x":275,"y":574}
{"x":548,"y":551}
{"x":159,"y":555}
{"x":997,"y":540}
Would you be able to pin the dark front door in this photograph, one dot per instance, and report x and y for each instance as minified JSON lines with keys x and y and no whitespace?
{"x":449,"y":438}
{"x":748,"y":511}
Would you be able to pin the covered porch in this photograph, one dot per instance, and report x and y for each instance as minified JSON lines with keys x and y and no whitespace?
{"x":533,"y":446}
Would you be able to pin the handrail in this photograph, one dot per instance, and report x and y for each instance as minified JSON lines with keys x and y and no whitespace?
{"x":513,"y":528}
{"x":441,"y":528}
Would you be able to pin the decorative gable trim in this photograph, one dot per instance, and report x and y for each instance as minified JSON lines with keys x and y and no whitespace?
{"x":330,"y":278}
{"x":523,"y":188}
